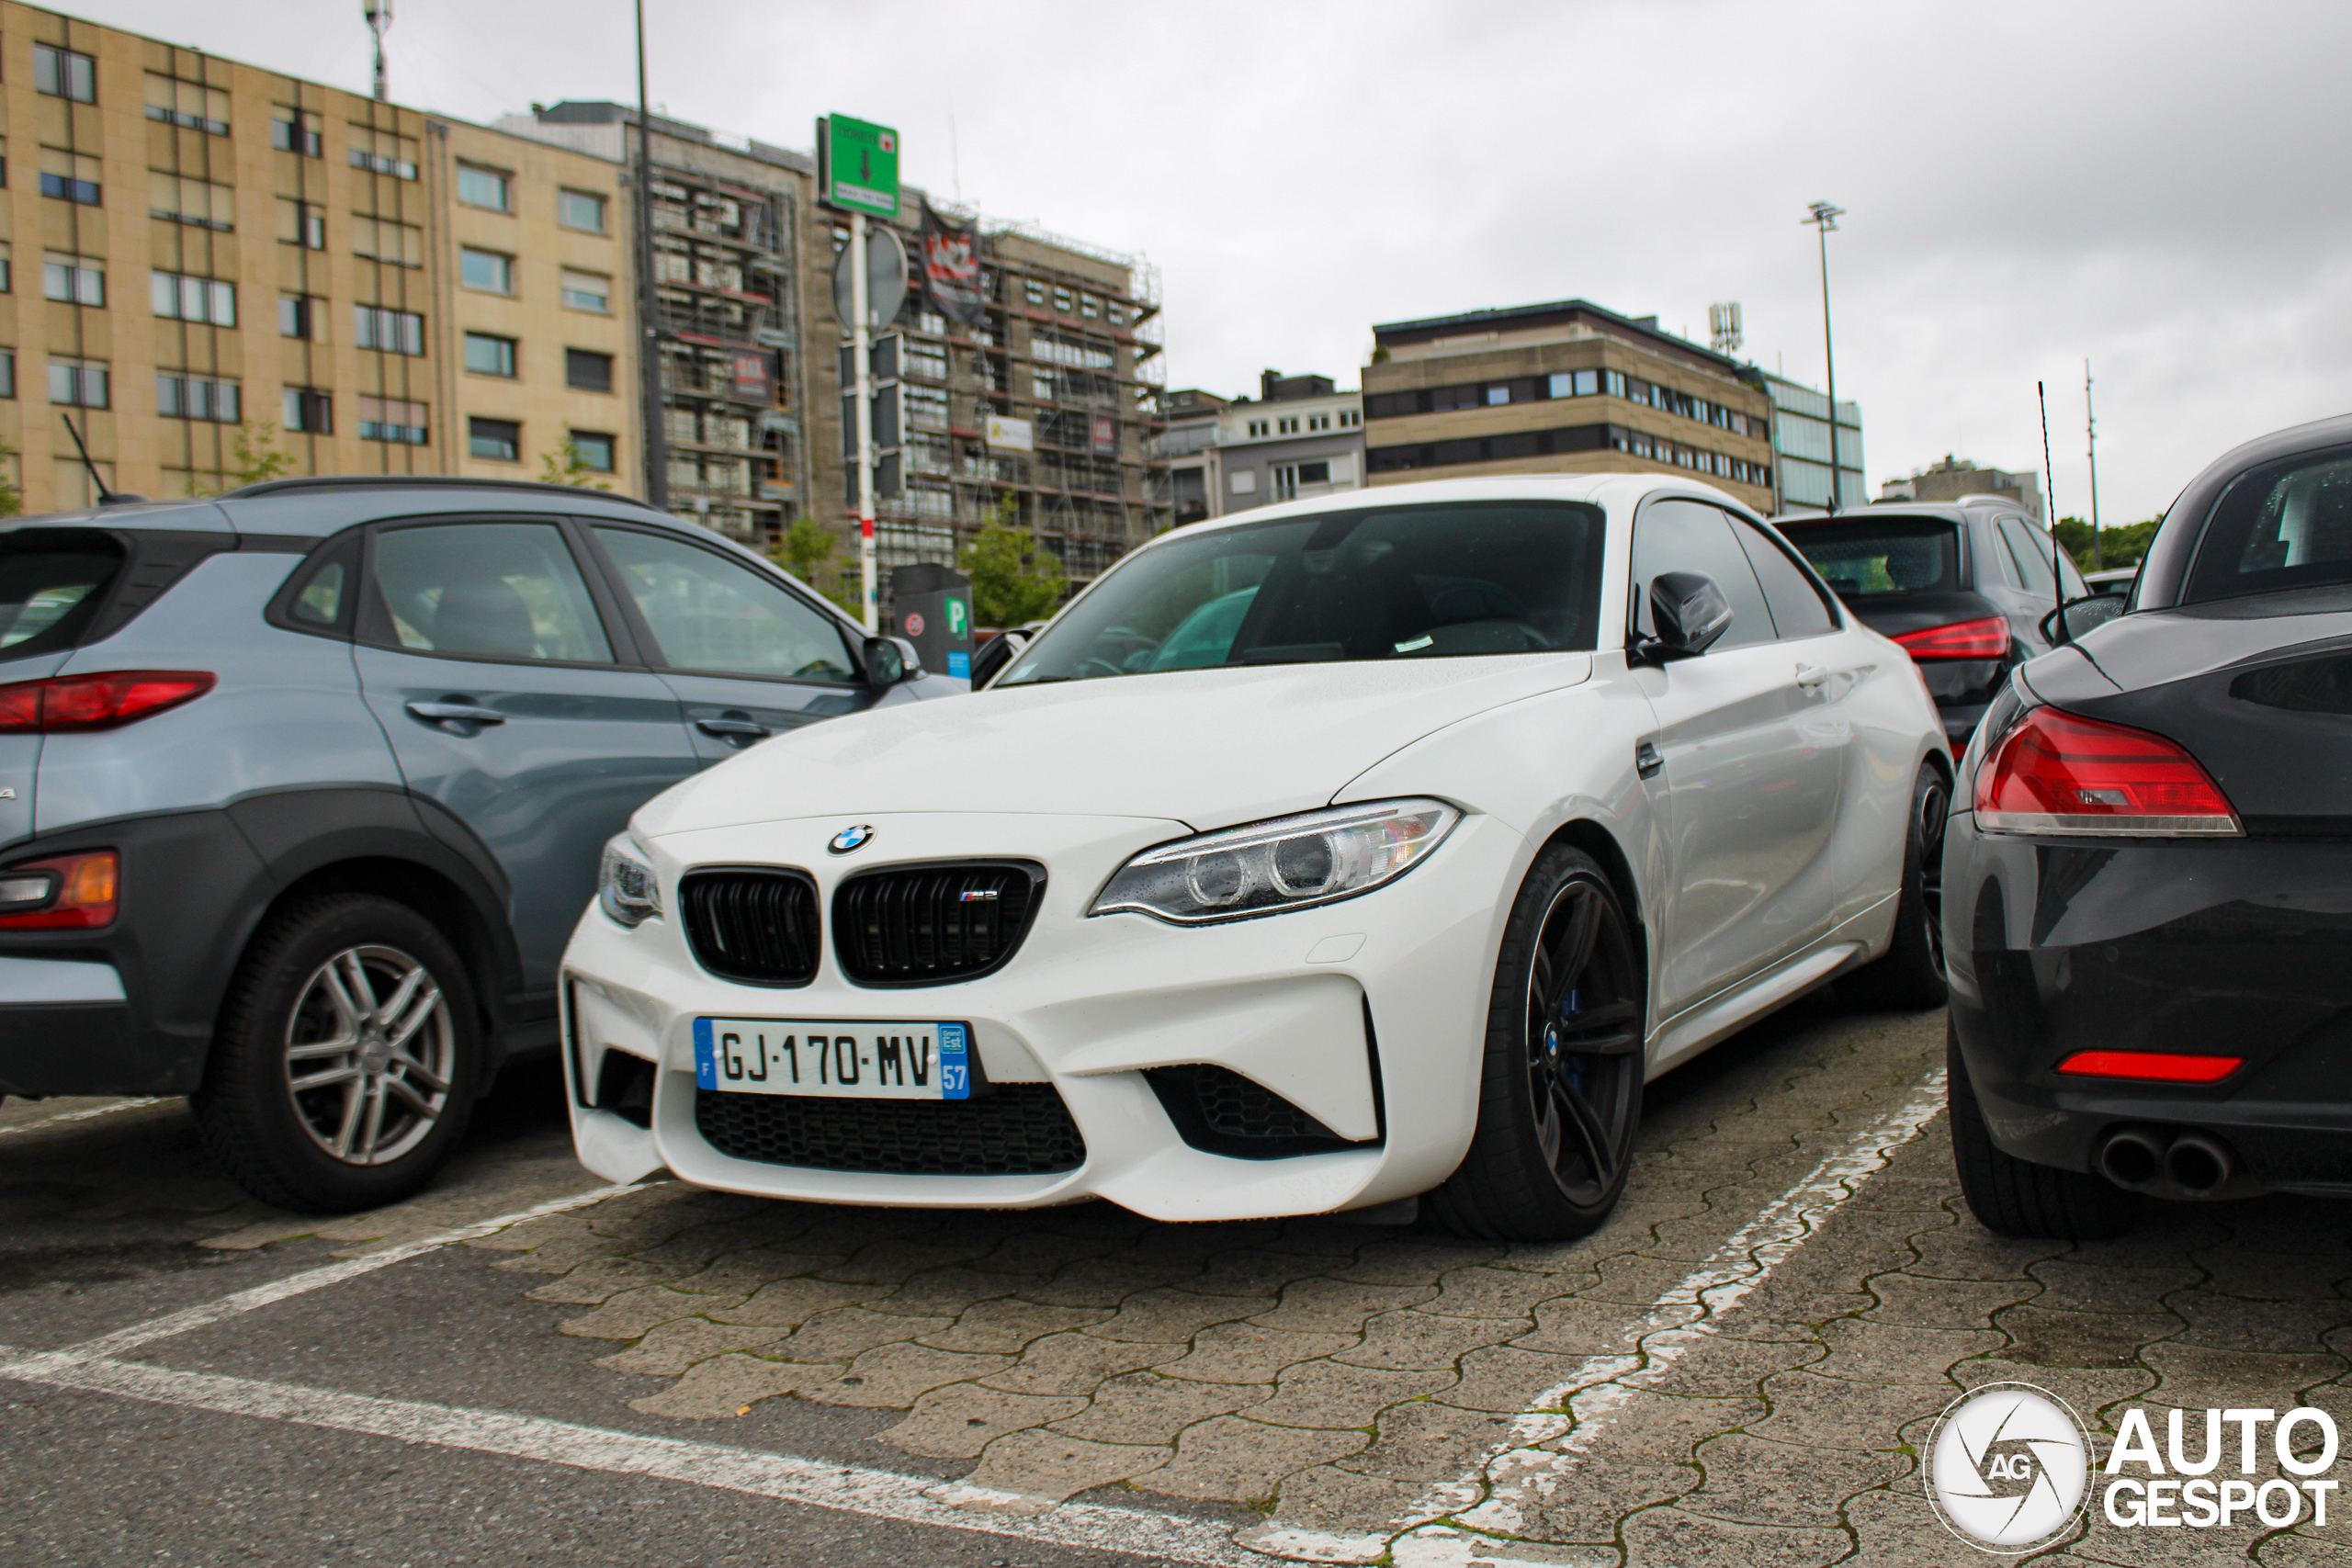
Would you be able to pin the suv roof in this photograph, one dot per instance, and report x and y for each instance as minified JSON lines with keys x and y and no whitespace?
{"x":417,"y":481}
{"x":316,"y":507}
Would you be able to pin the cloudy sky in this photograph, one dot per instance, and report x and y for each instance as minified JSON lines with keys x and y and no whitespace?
{"x":2152,"y":187}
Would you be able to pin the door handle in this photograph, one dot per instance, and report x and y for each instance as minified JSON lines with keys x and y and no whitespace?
{"x":447,"y":712}
{"x":731,"y":728}
{"x":1647,"y":761}
{"x":1811,"y":676}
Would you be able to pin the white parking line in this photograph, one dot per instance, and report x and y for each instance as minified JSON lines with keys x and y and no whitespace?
{"x":64,"y":1116}
{"x":1547,"y":1441}
{"x":195,"y":1318}
{"x":875,"y":1493}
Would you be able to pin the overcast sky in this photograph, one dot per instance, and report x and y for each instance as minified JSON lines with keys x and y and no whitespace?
{"x":2153,"y":186}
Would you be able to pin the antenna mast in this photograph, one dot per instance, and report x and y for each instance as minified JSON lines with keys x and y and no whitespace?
{"x":1722,"y":327}
{"x":2090,"y":427}
{"x":379,"y":21}
{"x":1824,"y":219}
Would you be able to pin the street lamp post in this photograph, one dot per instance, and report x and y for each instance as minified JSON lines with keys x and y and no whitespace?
{"x":1824,"y":218}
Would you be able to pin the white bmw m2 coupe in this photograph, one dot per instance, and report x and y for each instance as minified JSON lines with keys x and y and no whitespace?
{"x":1336,"y":854}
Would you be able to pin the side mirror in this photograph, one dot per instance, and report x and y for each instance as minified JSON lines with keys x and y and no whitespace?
{"x":995,"y":654}
{"x":891,"y":659}
{"x":1690,"y":612}
{"x":2071,"y":620}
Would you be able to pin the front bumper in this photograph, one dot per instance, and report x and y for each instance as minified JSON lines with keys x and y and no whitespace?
{"x":1368,"y":1014}
{"x":2239,"y":948}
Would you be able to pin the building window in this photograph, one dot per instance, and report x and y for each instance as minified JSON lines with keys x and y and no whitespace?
{"x":183,"y":201}
{"x":586,"y":370}
{"x":191,"y":104}
{"x":1350,"y":419}
{"x":383,"y":153}
{"x":294,"y":130}
{"x":394,"y":331}
{"x":1574,"y":384}
{"x":309,"y":411}
{"x":588,"y":291}
{"x":81,"y":383}
{"x":595,"y":450}
{"x":499,"y":440}
{"x":1089,"y":306}
{"x":1319,"y":422}
{"x":7,"y":282}
{"x":301,"y":223}
{"x":195,"y":397}
{"x":581,"y":209}
{"x":488,"y":355}
{"x":194,"y":299}
{"x":1289,"y":476}
{"x":77,"y":280}
{"x":69,"y":176}
{"x":1062,"y":301}
{"x":477,"y":186}
{"x":62,"y":73}
{"x":403,"y":244}
{"x":1287,"y":426}
{"x":486,"y":270}
{"x":8,"y":372}
{"x":1258,"y":427}
{"x":1033,"y":291}
{"x":1615,"y":381}
{"x":300,"y":315}
{"x":389,"y":419}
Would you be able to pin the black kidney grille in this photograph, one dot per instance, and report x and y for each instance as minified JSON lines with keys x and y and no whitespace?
{"x":1014,"y":1129}
{"x":758,"y":927}
{"x":929,"y":924}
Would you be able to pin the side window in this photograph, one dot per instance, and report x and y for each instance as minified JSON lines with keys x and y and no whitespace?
{"x":1797,"y":606}
{"x":485,"y":590}
{"x":1686,"y":535}
{"x":2030,"y":547}
{"x":711,"y":613}
{"x":320,"y":595}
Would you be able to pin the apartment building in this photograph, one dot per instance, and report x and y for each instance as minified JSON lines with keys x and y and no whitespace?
{"x":207,"y":263}
{"x":1561,"y":388}
{"x":1299,"y":438}
{"x":1950,"y":477}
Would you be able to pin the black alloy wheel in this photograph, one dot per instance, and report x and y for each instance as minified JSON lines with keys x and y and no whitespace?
{"x":1909,"y":977}
{"x":1561,"y":1091}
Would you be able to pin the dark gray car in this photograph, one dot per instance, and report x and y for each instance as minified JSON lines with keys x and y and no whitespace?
{"x":302,"y":789}
{"x":1962,"y":587}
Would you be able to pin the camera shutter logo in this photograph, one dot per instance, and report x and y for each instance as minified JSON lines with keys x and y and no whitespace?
{"x":2007,"y":1467}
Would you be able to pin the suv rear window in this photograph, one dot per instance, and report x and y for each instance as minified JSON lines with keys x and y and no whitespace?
{"x":1877,"y":556}
{"x":50,"y":583}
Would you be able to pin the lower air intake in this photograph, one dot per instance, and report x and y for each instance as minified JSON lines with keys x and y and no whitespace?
{"x":1218,"y":1111}
{"x":1013,"y":1129}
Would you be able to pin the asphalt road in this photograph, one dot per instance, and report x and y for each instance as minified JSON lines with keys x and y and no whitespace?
{"x":1743,"y":1366}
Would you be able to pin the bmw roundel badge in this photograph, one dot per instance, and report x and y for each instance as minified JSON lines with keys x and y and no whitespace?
{"x":850,"y":838}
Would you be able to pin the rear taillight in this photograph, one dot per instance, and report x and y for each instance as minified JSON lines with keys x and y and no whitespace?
{"x":2150,"y":1067}
{"x":63,"y":704}
{"x":66,"y":893}
{"x":2058,"y":772}
{"x":1986,"y":638}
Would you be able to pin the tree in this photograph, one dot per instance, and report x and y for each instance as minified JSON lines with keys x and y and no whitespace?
{"x":1012,"y":582}
{"x":256,"y":456}
{"x":566,"y":466}
{"x":2119,"y":546}
{"x":12,"y":494}
{"x":806,"y":550}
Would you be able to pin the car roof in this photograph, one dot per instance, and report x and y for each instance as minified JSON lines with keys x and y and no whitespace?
{"x":1612,"y":491}
{"x":1939,"y":511}
{"x":316,"y":507}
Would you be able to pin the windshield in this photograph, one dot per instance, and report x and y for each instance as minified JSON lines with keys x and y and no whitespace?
{"x":1405,"y":582}
{"x":1878,"y":556}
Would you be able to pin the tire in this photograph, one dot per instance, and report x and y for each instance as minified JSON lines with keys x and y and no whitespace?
{"x":2014,"y":1196}
{"x":1560,"y":1079}
{"x":1909,"y":977}
{"x":371,"y":1122}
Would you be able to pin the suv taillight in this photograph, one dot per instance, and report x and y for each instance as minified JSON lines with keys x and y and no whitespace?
{"x":1986,"y":638}
{"x":64,"y":893}
{"x":63,"y":704}
{"x":2059,"y":772}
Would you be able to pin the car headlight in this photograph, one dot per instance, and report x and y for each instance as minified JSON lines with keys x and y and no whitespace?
{"x":625,"y":890}
{"x":1290,"y":862}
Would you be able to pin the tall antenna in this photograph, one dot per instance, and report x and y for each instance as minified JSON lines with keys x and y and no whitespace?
{"x":2050,"y":506}
{"x":1722,"y":327}
{"x":2090,"y":428}
{"x":379,"y":21}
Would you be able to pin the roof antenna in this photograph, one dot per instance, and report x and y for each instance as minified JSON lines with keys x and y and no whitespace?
{"x":106,"y":497}
{"x":2050,"y":506}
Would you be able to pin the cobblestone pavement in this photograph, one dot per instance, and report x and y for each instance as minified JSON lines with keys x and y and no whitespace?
{"x":1742,"y":1367}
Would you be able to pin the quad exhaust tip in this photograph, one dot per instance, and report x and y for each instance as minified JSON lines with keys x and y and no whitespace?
{"x":2188,"y":1165}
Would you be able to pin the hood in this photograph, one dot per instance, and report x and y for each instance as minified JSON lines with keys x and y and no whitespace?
{"x":1206,"y":747}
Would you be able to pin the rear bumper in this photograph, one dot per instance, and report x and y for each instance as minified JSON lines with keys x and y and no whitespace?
{"x":2241,"y":948}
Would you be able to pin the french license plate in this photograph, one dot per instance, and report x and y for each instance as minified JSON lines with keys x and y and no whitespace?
{"x":848,"y":1061}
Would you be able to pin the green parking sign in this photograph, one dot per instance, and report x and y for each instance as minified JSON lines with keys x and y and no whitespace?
{"x":959,"y":619}
{"x":858,"y":166}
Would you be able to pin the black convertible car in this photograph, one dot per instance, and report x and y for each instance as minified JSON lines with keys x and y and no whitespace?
{"x":2148,"y":879}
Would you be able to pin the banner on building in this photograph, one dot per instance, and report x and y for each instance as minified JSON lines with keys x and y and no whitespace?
{"x":1104,"y":432}
{"x":1013,"y":434}
{"x":950,"y":267}
{"x":754,"y":381}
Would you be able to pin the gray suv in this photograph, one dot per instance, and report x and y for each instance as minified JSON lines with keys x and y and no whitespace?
{"x":302,"y":789}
